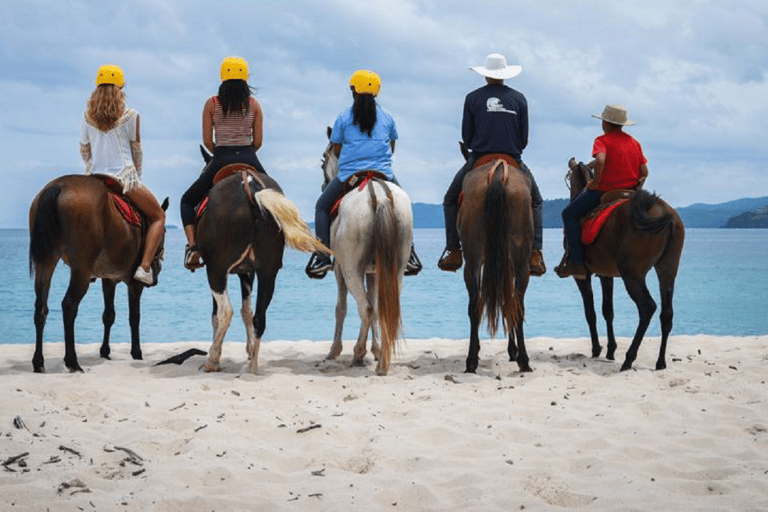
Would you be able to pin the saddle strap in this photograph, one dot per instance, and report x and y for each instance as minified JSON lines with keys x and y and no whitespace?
{"x":492,"y":157}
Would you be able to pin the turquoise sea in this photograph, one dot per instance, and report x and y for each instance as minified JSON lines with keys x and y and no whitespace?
{"x":722,"y":289}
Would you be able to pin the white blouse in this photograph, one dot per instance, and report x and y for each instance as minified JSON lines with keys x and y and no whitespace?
{"x":110,"y":151}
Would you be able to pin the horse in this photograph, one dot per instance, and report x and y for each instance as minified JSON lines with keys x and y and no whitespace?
{"x":371,"y":237}
{"x":243,"y":230}
{"x":641,"y":234}
{"x":495,"y":224}
{"x":73,"y":218}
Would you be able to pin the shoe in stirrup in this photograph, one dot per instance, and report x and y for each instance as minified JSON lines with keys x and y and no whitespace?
{"x":568,"y":268}
{"x":451,"y":260}
{"x":319,"y":265}
{"x":414,"y":265}
{"x":192,"y":258}
{"x":536,"y":266}
{"x":143,"y":276}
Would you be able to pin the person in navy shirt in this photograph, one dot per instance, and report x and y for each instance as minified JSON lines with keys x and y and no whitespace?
{"x":363,"y":137}
{"x":495,"y":121}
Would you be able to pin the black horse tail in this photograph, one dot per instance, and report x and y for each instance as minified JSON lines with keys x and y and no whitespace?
{"x":497,"y":286}
{"x":46,"y":229}
{"x":387,"y":241}
{"x":640,"y":216}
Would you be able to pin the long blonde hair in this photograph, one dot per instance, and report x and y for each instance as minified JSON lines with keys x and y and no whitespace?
{"x":105,"y":106}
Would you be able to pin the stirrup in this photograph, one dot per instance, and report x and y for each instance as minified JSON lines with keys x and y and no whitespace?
{"x":192,"y":258}
{"x":448,"y":264}
{"x":319,"y":265}
{"x":414,"y":265}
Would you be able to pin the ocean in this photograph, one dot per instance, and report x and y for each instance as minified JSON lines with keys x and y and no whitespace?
{"x":721,"y":289}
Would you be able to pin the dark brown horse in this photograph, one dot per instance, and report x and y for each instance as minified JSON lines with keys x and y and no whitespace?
{"x":641,"y":234}
{"x":244,"y":230}
{"x":496,"y":232}
{"x":74,"y":219}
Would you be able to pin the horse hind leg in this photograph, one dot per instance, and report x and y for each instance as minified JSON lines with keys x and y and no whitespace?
{"x":667,"y":291}
{"x":646,"y":306}
{"x":108,"y":317}
{"x":78,"y":285}
{"x":370,"y":283}
{"x":222,"y":317}
{"x":588,"y":301}
{"x":266,"y":290}
{"x":606,"y":284}
{"x":43,"y":275}
{"x":365,"y":311}
{"x":341,"y":313}
{"x":246,"y":312}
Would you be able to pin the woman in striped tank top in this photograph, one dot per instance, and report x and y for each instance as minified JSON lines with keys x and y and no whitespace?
{"x":232,"y":131}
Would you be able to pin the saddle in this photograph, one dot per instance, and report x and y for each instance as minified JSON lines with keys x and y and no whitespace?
{"x":245,"y":170}
{"x":487,"y":159}
{"x":594,"y":220}
{"x":129,"y":212}
{"x":358,"y":180}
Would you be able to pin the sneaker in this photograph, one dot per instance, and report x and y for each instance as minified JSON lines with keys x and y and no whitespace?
{"x":192,"y":258}
{"x":143,"y":276}
{"x":413,"y":266}
{"x":537,"y":267}
{"x":451,"y":260}
{"x":319,"y":265}
{"x":568,"y":268}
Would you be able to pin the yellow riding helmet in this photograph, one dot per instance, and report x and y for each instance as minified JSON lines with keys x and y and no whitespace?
{"x":110,"y":74}
{"x":365,"y":82}
{"x":234,"y":68}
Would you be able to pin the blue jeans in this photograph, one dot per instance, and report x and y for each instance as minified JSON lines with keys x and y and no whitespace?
{"x":579,"y":206}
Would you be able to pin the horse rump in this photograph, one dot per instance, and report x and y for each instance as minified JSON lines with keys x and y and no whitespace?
{"x":640,"y":213}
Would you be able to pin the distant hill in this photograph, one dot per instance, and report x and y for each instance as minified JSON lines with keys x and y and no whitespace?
{"x":754,"y":219}
{"x":695,"y":216}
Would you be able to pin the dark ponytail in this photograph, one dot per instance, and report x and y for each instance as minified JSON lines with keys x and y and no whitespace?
{"x":364,"y":112}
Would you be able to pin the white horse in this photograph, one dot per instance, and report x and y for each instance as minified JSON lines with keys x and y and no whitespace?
{"x":371,"y":237}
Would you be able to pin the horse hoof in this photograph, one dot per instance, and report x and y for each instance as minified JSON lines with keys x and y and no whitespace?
{"x":626,"y":366}
{"x":75,"y":369}
{"x":382,"y":371}
{"x":358,"y":362}
{"x":39,"y":369}
{"x":209,"y":367}
{"x":661,"y":365}
{"x":525,"y":368}
{"x":106,"y":356}
{"x":136,"y":357}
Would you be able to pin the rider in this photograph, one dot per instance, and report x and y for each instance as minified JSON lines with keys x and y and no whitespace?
{"x":619,"y":164}
{"x":234,"y":117}
{"x":364,"y":138}
{"x":110,"y":144}
{"x":495,"y":121}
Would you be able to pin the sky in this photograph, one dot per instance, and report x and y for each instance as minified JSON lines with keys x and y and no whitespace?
{"x":692,"y":74}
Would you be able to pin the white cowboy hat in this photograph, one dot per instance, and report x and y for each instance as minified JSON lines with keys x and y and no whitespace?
{"x":615,"y":114}
{"x":496,"y":67}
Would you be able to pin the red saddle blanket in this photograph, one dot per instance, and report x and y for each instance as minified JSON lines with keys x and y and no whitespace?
{"x":358,"y":180}
{"x":126,"y":209}
{"x":591,"y":225}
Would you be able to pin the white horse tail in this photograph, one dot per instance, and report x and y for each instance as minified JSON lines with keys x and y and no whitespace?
{"x":297,"y":234}
{"x":387,"y":249}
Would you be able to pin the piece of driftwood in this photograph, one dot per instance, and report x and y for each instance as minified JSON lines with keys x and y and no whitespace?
{"x":180,"y":358}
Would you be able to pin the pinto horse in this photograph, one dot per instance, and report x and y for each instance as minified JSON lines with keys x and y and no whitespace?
{"x":371,"y":237}
{"x":243,"y":230}
{"x":74,"y":219}
{"x":641,"y":234}
{"x":496,"y":231}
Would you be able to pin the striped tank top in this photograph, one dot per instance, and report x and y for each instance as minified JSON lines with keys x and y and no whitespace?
{"x":235,"y":129}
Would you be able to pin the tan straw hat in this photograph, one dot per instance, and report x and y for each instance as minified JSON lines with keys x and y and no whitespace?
{"x":496,"y":67}
{"x":615,"y":114}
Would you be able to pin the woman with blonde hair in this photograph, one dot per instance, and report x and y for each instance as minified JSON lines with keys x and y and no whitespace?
{"x":110,"y":144}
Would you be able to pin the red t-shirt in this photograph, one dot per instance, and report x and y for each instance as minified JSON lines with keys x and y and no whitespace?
{"x":623,"y":158}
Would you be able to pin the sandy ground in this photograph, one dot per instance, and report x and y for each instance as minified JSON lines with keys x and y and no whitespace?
{"x":310,"y":434}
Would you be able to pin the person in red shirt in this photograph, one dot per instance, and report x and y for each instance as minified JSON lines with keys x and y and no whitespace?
{"x":619,"y":164}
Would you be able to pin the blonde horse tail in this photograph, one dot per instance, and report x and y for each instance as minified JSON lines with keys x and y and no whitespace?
{"x":497,"y":286}
{"x":388,"y":253}
{"x":297,"y":234}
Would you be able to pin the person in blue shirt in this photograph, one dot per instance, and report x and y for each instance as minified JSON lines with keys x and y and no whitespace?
{"x":363,"y":138}
{"x":495,"y":120}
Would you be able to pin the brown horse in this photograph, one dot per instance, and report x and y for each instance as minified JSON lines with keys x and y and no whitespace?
{"x":243,"y":230}
{"x":641,"y":234}
{"x":496,"y":231}
{"x":74,"y":219}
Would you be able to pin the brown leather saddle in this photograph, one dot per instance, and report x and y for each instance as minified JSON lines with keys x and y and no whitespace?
{"x":357,"y":181}
{"x":126,"y":208}
{"x":489,"y":159}
{"x":245,"y":170}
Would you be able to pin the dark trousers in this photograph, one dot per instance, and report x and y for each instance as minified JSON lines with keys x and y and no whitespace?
{"x":222,"y":155}
{"x":323,"y":206}
{"x":578,"y":207}
{"x":451,"y":208}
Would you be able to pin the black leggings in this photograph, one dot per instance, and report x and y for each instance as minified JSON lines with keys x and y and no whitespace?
{"x":222,"y":155}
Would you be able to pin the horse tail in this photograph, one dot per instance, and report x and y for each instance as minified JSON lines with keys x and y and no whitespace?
{"x":640,"y":217}
{"x":387,"y":242}
{"x":286,"y":214}
{"x":45,"y":231}
{"x":497,"y":284}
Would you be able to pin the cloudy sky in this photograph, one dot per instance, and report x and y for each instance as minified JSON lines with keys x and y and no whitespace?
{"x":693,"y":74}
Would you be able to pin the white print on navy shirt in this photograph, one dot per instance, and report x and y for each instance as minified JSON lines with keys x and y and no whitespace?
{"x":494,"y":105}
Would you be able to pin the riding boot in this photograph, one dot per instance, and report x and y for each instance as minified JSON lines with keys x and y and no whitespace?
{"x":537,"y":267}
{"x":569,"y":268}
{"x":192,"y":258}
{"x":451,"y":260}
{"x":413,"y":266}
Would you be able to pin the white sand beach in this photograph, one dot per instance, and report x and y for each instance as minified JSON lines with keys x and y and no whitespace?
{"x":308,"y":434}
